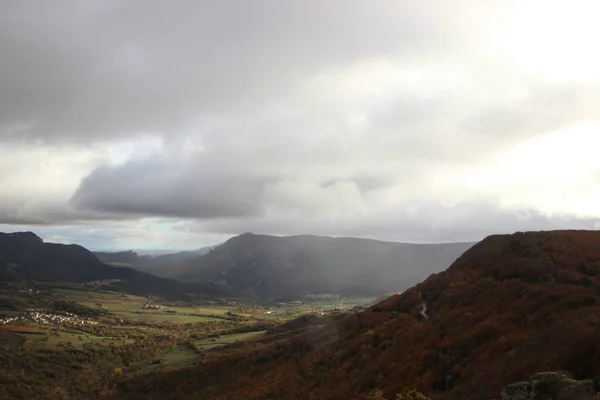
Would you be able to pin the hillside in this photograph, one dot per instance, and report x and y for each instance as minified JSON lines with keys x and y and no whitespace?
{"x":127,"y":258}
{"x":25,"y":256}
{"x":132,"y":259}
{"x":511,"y":306}
{"x":264,"y":266}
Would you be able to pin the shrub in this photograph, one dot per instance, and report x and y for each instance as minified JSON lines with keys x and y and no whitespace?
{"x":411,"y":394}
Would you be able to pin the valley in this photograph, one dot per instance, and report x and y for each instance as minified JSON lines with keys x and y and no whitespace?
{"x":299,"y":200}
{"x":509,"y":307}
{"x":122,"y":335}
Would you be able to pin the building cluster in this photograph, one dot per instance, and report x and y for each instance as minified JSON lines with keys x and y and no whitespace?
{"x":8,"y":320}
{"x":152,"y":306}
{"x":10,"y":288}
{"x":290,"y":303}
{"x":41,"y":317}
{"x":329,"y":310}
{"x":102,"y":283}
{"x":321,"y":296}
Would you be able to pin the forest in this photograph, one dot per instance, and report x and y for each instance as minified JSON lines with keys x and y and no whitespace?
{"x":511,"y":306}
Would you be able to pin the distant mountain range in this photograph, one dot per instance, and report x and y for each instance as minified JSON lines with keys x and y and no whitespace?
{"x":133,"y":259}
{"x":268,"y":266}
{"x":25,"y":256}
{"x":249,"y":265}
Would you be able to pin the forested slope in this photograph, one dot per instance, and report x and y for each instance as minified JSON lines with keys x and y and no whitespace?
{"x":511,"y":306}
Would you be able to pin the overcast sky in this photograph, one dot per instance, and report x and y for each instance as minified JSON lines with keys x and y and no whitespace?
{"x":177,"y":124}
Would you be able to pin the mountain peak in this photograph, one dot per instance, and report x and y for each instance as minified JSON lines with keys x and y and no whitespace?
{"x":269,"y":266}
{"x":534,"y":256}
{"x":28,"y":237}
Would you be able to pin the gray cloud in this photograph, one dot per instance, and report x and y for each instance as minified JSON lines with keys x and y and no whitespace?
{"x":398,"y":120}
{"x":157,"y":188}
{"x":91,"y":70}
{"x":429,"y":222}
{"x":541,"y":108}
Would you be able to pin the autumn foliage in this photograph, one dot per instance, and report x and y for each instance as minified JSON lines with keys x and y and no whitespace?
{"x":20,"y":329}
{"x":511,"y":306}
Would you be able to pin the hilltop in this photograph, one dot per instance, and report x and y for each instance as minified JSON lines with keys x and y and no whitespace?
{"x":132,"y":259}
{"x":24,"y":256}
{"x":268,"y":266}
{"x":128,"y":257}
{"x":511,"y":306}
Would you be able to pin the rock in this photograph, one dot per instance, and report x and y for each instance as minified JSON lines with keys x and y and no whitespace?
{"x":570,"y":389}
{"x":547,"y":376}
{"x":558,"y":385}
{"x":516,"y":391}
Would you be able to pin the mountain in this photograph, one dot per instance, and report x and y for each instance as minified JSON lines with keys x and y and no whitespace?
{"x":127,"y":258}
{"x":266,"y":266}
{"x":133,"y":259}
{"x":510,"y":307}
{"x":25,"y":256}
{"x":173,"y":258}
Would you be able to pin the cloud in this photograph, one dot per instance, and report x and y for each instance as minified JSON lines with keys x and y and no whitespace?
{"x":83,"y":71}
{"x":142,"y":235}
{"x":536,"y":109}
{"x":162,"y":189}
{"x":408,"y":120}
{"x":409,"y":222}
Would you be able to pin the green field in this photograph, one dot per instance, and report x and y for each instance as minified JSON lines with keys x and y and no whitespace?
{"x":131,"y":307}
{"x":155,"y":316}
{"x":181,"y":354}
{"x":224,"y":340}
{"x":53,"y":340}
{"x":359,"y":301}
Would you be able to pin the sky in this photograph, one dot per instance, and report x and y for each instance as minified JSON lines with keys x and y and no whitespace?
{"x":150,"y":124}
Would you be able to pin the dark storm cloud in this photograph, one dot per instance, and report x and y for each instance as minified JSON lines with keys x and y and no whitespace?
{"x":81,"y":70}
{"x":157,"y":188}
{"x":22,"y":214}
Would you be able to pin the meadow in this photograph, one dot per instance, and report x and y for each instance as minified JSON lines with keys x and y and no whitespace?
{"x":130,"y":306}
{"x":87,"y":339}
{"x":223,"y":340}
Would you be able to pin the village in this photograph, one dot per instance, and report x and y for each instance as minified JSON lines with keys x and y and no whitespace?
{"x":104,"y":283}
{"x":296,"y":307}
{"x":45,"y":318}
{"x":151,"y":306}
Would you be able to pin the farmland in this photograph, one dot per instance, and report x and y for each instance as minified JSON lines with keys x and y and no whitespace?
{"x":88,"y":339}
{"x":223,"y":340}
{"x":132,"y":307}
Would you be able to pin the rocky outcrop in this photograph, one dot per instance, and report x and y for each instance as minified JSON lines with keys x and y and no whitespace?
{"x":558,"y":385}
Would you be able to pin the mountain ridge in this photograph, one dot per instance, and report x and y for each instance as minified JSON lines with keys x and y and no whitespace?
{"x":508,"y":308}
{"x":269,"y":266}
{"x":144,"y":262}
{"x":25,"y":256}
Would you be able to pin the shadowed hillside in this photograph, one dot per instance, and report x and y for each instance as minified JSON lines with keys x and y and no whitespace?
{"x":133,"y":259}
{"x":128,"y":257}
{"x":262,"y":266}
{"x":25,"y":256}
{"x":511,"y":306}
